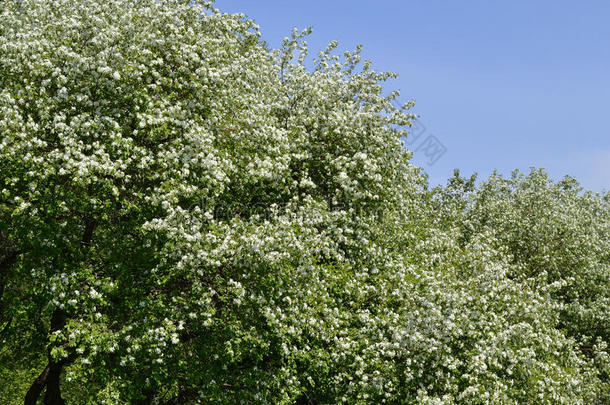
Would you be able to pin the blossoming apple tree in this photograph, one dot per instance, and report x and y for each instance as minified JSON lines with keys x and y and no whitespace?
{"x":187,"y":216}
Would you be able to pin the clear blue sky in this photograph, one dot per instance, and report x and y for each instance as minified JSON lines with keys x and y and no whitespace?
{"x":502,"y":84}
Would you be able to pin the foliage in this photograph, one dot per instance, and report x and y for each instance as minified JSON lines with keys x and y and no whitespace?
{"x":189,"y":217}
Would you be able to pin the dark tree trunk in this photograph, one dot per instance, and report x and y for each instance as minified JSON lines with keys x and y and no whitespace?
{"x":52,"y":395}
{"x":51,"y":375}
{"x":36,"y":388}
{"x":52,"y":372}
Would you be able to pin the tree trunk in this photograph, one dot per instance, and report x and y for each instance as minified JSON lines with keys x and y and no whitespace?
{"x":52,"y":395}
{"x":52,"y":372}
{"x":51,"y":375}
{"x":36,"y":388}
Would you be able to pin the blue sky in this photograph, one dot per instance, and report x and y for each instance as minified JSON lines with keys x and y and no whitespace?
{"x":501,"y":84}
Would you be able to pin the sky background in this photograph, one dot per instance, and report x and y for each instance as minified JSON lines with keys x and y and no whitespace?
{"x":502,"y":85}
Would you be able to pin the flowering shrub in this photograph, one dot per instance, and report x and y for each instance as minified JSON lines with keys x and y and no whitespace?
{"x":189,"y":217}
